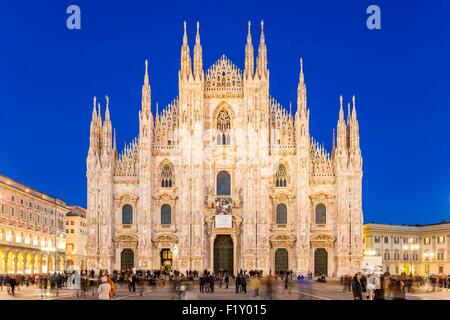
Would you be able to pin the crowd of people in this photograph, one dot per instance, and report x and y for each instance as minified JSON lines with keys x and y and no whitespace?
{"x":253,"y":282}
{"x":395,"y":287}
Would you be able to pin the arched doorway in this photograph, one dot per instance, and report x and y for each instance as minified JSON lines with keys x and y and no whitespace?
{"x":20,"y":262}
{"x":166,"y":260}
{"x":127,"y":259}
{"x":29,"y":264}
{"x":51,"y":264}
{"x":60,"y":264}
{"x":223,"y":254}
{"x":10,"y":264}
{"x":321,"y":262}
{"x":281,"y":261}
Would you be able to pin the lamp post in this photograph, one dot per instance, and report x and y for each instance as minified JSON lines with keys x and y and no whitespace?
{"x":411,"y":247}
{"x":428,"y":254}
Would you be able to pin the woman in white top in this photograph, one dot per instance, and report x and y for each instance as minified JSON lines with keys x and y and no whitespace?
{"x":104,"y":290}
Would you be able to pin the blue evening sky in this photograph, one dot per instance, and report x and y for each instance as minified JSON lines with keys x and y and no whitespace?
{"x":399,"y":74}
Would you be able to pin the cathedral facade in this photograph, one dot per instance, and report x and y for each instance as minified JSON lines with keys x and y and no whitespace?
{"x":225,"y":178}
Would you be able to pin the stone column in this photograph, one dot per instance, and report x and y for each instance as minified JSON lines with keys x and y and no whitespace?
{"x":32,"y":265}
{"x":3,"y":264}
{"x":24,"y":264}
{"x":15,"y":264}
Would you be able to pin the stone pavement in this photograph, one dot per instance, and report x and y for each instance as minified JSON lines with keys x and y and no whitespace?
{"x":305,"y":291}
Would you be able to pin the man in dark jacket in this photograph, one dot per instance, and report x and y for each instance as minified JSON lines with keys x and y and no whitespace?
{"x":357,"y":287}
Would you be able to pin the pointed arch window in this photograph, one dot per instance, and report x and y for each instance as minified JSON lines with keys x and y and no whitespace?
{"x":281,"y":177}
{"x":223,"y":183}
{"x":281,"y":214}
{"x":127,"y":214}
{"x":166,"y":176}
{"x":166,"y":214}
{"x":223,"y":127}
{"x":321,"y":214}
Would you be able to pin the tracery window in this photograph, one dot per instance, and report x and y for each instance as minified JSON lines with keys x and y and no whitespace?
{"x":127,"y":214}
{"x":166,"y":176}
{"x":166,"y":214}
{"x":223,"y":183}
{"x":281,"y":177}
{"x":223,"y":127}
{"x":281,"y":214}
{"x":321,"y":214}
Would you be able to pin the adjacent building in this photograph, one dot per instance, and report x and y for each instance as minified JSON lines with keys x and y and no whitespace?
{"x":418,"y":249}
{"x":225,"y":178}
{"x":32,"y":229}
{"x":76,"y":238}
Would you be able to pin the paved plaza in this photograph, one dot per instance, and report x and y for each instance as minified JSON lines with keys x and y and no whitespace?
{"x":309,"y":290}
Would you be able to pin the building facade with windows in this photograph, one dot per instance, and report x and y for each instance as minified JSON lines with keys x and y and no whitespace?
{"x":225,"y":178}
{"x":76,"y":238}
{"x":32,"y":234}
{"x":420,"y":249}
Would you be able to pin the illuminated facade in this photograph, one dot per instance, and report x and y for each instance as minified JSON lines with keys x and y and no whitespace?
{"x":225,"y":178}
{"x":419,"y":249}
{"x":32,"y":234}
{"x":76,"y":238}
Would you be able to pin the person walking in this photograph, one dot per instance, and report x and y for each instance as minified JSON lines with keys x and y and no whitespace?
{"x":238,"y":284}
{"x":286,"y":283}
{"x":12,"y":283}
{"x":357,"y":287}
{"x":227,"y":281}
{"x":104,"y":290}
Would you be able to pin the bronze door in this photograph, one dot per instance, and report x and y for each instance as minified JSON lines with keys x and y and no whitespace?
{"x":223,"y":254}
{"x":320,"y":262}
{"x":281,"y":260}
{"x":127,"y":259}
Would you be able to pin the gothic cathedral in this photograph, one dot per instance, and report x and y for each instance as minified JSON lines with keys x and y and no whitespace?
{"x":225,"y":178}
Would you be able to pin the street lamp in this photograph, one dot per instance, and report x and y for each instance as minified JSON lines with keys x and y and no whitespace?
{"x":411,"y":247}
{"x":428,"y":255}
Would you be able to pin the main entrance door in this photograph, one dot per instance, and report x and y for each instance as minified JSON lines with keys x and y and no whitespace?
{"x":166,"y":260}
{"x":320,"y":262}
{"x":281,"y":260}
{"x":127,"y":259}
{"x":223,"y":254}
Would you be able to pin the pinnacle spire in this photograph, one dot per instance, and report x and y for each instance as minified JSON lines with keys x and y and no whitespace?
{"x":354,"y":107}
{"x":261,"y":62}
{"x":146,"y":94}
{"x":115,"y":144}
{"x":197,"y":36}
{"x":262,"y":32}
{"x":301,"y":90}
{"x":107,"y":116}
{"x":185,"y":65}
{"x":185,"y":40}
{"x":198,"y":59}
{"x":146,"y":72}
{"x":249,"y":54}
{"x":341,"y":110}
{"x":94,"y":111}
